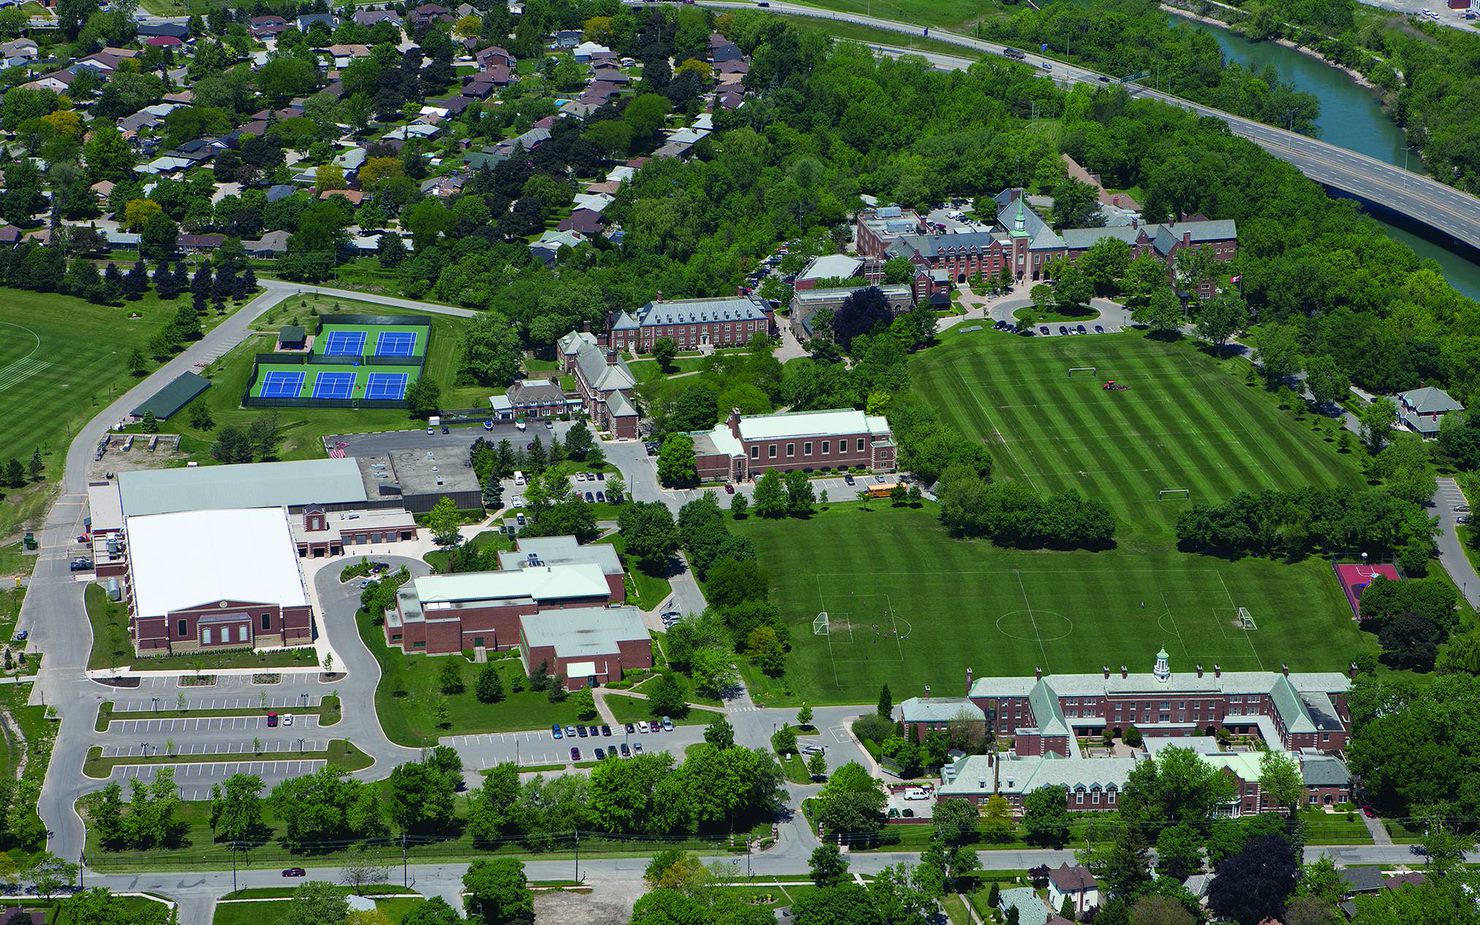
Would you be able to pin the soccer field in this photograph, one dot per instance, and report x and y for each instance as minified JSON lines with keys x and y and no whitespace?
{"x":909,"y":606}
{"x":1186,"y":421}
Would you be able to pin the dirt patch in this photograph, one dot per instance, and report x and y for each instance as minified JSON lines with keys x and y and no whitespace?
{"x":608,"y":903}
{"x":165,"y":455}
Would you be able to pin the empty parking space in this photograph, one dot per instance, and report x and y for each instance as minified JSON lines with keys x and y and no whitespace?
{"x":539,"y":747}
{"x":195,"y":780}
{"x":187,"y":725}
{"x":227,"y":747}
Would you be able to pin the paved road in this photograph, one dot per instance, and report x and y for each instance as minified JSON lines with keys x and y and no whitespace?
{"x":1451,"y":549}
{"x":1420,"y":198}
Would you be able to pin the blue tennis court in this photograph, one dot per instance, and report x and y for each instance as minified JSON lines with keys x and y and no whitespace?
{"x":395,"y":344}
{"x":345,"y":344}
{"x":386,"y":385}
{"x":279,"y":384}
{"x":333,"y":385}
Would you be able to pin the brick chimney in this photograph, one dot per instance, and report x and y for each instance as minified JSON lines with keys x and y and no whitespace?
{"x":1038,"y":672}
{"x":1217,"y":671}
{"x":1351,"y":671}
{"x":611,"y":357}
{"x":1199,"y":671}
{"x":734,"y":422}
{"x":1284,"y":669}
{"x":968,"y":680}
{"x":586,"y":326}
{"x":1106,"y":670}
{"x":1124,"y":673}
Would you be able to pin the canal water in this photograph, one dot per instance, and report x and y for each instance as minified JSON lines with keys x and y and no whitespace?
{"x":1350,"y":117}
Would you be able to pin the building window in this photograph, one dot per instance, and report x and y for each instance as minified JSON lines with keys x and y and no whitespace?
{"x":773,"y":451}
{"x":1079,"y":798}
{"x":826,"y":447}
{"x":860,"y":444}
{"x":418,"y":645}
{"x":267,"y":621}
{"x":183,"y":627}
{"x":755,"y":452}
{"x":791,"y":450}
{"x":241,"y":633}
{"x":205,"y":636}
{"x":1110,"y":796}
{"x":807,"y":448}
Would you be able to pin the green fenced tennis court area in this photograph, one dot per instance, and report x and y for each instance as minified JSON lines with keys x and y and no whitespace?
{"x":371,"y":340}
{"x":332,"y":382}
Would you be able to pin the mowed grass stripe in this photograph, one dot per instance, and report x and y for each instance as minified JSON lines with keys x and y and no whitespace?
{"x":1209,"y":454}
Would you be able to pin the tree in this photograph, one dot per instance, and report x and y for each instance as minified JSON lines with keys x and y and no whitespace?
{"x":314,"y":903}
{"x":585,"y":704}
{"x":1160,"y":910}
{"x":50,"y":874}
{"x":1178,"y":787}
{"x":1219,"y":318}
{"x":851,"y":804}
{"x":770,"y":495}
{"x":449,"y":679}
{"x":490,"y":685}
{"x":862,"y":312}
{"x":1310,"y":910}
{"x":886,"y":703}
{"x":1072,"y":290}
{"x":36,"y":468}
{"x":159,"y":237}
{"x":1327,"y":383}
{"x":236,"y":813}
{"x":200,"y":416}
{"x":955,"y":822}
{"x":799,"y":496}
{"x":844,"y":904}
{"x":1075,"y":204}
{"x":423,"y":397}
{"x":1376,"y":420}
{"x":1252,"y":885}
{"x":829,"y":867}
{"x":817,"y":766}
{"x":720,"y":733}
{"x":492,"y":353}
{"x":804,"y":717}
{"x":497,"y":891}
{"x":676,"y":466}
{"x":784,"y":740}
{"x":665,"y":350}
{"x":649,"y":535}
{"x":444,"y":522}
{"x":1277,"y":351}
{"x":1046,"y":816}
{"x":667,"y":696}
{"x":432,"y":911}
{"x":578,"y":441}
{"x":1280,"y":780}
{"x":1162,"y":312}
{"x":1178,"y":852}
{"x":998,"y":824}
{"x":363,"y":870}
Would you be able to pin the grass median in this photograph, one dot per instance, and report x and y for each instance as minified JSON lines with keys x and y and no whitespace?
{"x":341,"y":753}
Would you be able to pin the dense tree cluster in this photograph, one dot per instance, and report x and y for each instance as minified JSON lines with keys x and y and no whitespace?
{"x":1412,"y":619}
{"x":1301,"y":521}
{"x":1014,"y":514}
{"x":149,"y":819}
{"x":1403,"y":745}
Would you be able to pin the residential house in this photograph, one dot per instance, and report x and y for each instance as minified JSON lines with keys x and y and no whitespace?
{"x":1421,"y":410}
{"x":1077,"y":885}
{"x":537,"y":398}
{"x":307,"y":21}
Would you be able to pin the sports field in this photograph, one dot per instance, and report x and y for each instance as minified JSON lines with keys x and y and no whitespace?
{"x":379,"y":340}
{"x":333,"y":382}
{"x":910,"y":606}
{"x":1185,"y":422}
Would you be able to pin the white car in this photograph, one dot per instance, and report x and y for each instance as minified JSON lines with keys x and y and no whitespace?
{"x":520,"y":425}
{"x":287,"y":719}
{"x":642,"y":726}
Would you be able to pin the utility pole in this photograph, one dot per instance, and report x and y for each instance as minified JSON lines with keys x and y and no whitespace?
{"x":578,"y":855}
{"x":405,"y":869}
{"x":81,"y":869}
{"x":232,"y":848}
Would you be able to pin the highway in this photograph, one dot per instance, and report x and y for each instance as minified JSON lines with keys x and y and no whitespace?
{"x":1420,"y":198}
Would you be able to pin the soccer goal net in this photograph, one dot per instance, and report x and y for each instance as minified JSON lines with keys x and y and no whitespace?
{"x":1245,"y":620}
{"x":1081,"y":369}
{"x":820,"y":624}
{"x":1165,"y":493}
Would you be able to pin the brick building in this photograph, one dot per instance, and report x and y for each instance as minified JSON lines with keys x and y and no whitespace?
{"x":878,"y":227}
{"x":806,"y":303}
{"x":586,"y":647}
{"x":1297,"y":710}
{"x":691,"y":323}
{"x":215,"y":579}
{"x":745,"y":447}
{"x":923,"y":715}
{"x":440,"y":614}
{"x":603,"y":383}
{"x":1026,"y":243}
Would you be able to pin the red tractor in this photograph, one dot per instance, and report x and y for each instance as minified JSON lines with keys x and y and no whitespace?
{"x":1113,"y":386}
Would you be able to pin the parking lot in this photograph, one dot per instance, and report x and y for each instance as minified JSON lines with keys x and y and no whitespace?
{"x":186,"y":725}
{"x":459,"y":437}
{"x":230,"y":692}
{"x":243,"y":747}
{"x":195,"y":780}
{"x":480,"y":752}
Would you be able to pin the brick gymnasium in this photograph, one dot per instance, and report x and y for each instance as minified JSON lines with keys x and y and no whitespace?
{"x":745,"y":447}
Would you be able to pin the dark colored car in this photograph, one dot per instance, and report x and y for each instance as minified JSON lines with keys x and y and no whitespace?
{"x":594,"y":730}
{"x":1099,"y":329}
{"x":575,"y":754}
{"x":1063,"y":329}
{"x":1081,"y":329}
{"x":581,"y":731}
{"x":600,"y":753}
{"x":606,"y":730}
{"x":589,"y":497}
{"x":555,"y":731}
{"x":294,"y":872}
{"x":631,"y":728}
{"x":848,"y":477}
{"x":626,"y":752}
{"x":1043,"y":329}
{"x":729,"y":489}
{"x":446,"y":429}
{"x":272,"y":719}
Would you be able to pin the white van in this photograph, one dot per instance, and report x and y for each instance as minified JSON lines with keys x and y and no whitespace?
{"x":518,"y":478}
{"x":916,"y":793}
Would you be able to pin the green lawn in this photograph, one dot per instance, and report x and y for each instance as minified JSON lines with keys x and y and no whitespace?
{"x":644,"y":591}
{"x":340,"y":754}
{"x":112,"y":647}
{"x":1334,"y":828}
{"x":303,"y":429}
{"x":253,"y":913}
{"x":437,"y":558}
{"x":909,"y":605}
{"x":632,"y":709}
{"x":408,"y":695}
{"x":62,"y":360}
{"x":1049,"y":316}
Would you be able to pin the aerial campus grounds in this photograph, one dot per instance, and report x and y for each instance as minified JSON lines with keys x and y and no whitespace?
{"x":909,"y":606}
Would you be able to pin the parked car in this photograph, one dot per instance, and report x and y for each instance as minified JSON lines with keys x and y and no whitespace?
{"x":606,"y":730}
{"x":488,"y":425}
{"x":729,"y":488}
{"x":1043,"y":329}
{"x":589,"y":497}
{"x":642,"y":726}
{"x":294,"y":872}
{"x":600,"y":753}
{"x":848,"y":478}
{"x":555,"y":731}
{"x":626,"y":752}
{"x":594,"y":731}
{"x":600,"y":476}
{"x":1063,"y":329}
{"x":581,"y":731}
{"x":667,"y":724}
{"x":446,"y":429}
{"x":272,"y":719}
{"x":287,"y":719}
{"x":1099,"y":329}
{"x":520,"y":425}
{"x":600,"y":497}
{"x":580,"y":476}
{"x":22,"y":635}
{"x":81,"y":565}
{"x":630,"y":728}
{"x":575,"y":753}
{"x":1080,"y":329}
{"x":570,"y":732}
{"x":637,"y":748}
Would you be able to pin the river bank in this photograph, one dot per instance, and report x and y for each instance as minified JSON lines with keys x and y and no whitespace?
{"x":1357,"y":77}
